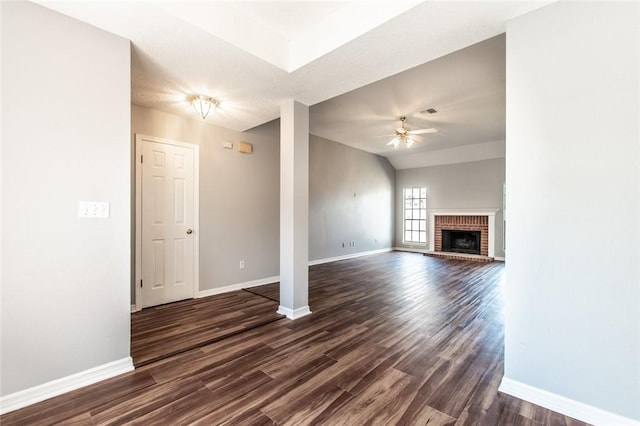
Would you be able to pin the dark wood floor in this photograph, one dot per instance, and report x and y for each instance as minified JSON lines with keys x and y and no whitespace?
{"x":395,"y":338}
{"x":163,"y":331}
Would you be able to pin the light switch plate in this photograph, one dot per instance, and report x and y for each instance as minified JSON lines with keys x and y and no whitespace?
{"x":93,"y":209}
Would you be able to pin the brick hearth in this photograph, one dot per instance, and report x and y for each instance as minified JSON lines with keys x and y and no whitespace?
{"x":463,"y":223}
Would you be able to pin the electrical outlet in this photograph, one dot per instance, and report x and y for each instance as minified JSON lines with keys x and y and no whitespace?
{"x":242,"y":264}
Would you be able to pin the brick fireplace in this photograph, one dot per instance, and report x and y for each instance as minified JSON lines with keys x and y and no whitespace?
{"x":463,"y":220}
{"x":463,"y":223}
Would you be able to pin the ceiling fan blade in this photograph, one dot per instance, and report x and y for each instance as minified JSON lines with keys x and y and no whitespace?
{"x":395,"y":142}
{"x":421,"y":131}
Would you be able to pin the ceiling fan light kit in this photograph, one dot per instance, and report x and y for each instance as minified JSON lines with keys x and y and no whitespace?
{"x":204,"y":104}
{"x":403,"y":134}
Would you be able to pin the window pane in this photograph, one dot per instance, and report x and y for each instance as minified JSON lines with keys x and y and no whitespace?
{"x":415,"y":215}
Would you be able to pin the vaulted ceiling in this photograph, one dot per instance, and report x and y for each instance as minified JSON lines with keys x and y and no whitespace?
{"x":359,"y":65}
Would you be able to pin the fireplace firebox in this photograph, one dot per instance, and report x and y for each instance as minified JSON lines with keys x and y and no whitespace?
{"x":454,"y":241}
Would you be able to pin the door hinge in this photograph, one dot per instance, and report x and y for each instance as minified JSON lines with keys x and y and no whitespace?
{"x":140,"y":283}
{"x":142,"y":158}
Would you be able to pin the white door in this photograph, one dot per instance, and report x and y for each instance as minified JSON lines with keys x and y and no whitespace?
{"x":168,"y":220}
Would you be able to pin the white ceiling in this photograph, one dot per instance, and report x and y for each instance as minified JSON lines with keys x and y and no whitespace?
{"x":255,"y":55}
{"x":289,"y":19}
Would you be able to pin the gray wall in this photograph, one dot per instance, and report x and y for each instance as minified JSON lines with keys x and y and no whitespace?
{"x":475,"y":185}
{"x":239,"y":195}
{"x":65,"y":138}
{"x":573,"y":179}
{"x":350,"y":200}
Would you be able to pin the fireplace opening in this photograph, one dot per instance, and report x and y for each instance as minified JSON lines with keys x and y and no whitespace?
{"x":461,"y":241}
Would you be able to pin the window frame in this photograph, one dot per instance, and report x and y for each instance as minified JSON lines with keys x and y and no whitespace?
{"x":416,"y":208}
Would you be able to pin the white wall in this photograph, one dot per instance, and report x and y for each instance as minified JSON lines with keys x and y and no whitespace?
{"x":474,"y":185}
{"x":350,"y":200}
{"x":65,"y":138}
{"x":239,"y":195}
{"x":573,"y":184}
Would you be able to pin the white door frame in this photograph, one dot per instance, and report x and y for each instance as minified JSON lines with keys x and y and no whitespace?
{"x":196,"y":209}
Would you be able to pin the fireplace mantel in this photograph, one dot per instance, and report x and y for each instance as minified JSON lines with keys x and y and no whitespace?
{"x":490,"y":213}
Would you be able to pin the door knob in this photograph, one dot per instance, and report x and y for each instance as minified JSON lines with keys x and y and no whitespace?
{"x":189,"y":231}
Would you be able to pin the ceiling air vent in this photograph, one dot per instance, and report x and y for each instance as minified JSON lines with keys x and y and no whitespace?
{"x":429,"y":111}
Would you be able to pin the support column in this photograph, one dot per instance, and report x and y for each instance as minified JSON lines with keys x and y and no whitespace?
{"x":294,"y":210}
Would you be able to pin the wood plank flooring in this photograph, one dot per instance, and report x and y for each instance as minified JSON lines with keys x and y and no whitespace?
{"x":394,"y":339}
{"x":166,"y":330}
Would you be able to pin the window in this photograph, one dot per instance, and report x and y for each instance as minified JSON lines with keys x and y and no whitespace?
{"x":415,"y":215}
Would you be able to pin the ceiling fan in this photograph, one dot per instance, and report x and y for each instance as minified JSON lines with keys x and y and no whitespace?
{"x":404,"y":134}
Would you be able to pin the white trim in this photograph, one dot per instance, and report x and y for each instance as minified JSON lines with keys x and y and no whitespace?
{"x":66,"y":384}
{"x":491,"y":213}
{"x":134,"y":308}
{"x":275,"y":279}
{"x":566,"y":406}
{"x":239,"y":286}
{"x":499,"y":259}
{"x":139,"y":138}
{"x":463,"y":212}
{"x":138,"y":211}
{"x":294,"y":313}
{"x":348,"y":256}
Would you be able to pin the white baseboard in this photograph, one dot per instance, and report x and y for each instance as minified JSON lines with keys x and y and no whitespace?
{"x":57,"y":387}
{"x":347,"y":256}
{"x":275,"y":279}
{"x":563,"y":405}
{"x":412,"y":250}
{"x":294,"y":313}
{"x":499,"y":259}
{"x":133,"y":308}
{"x":239,"y":286}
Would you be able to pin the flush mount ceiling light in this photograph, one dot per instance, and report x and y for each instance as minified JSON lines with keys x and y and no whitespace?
{"x":203,"y":104}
